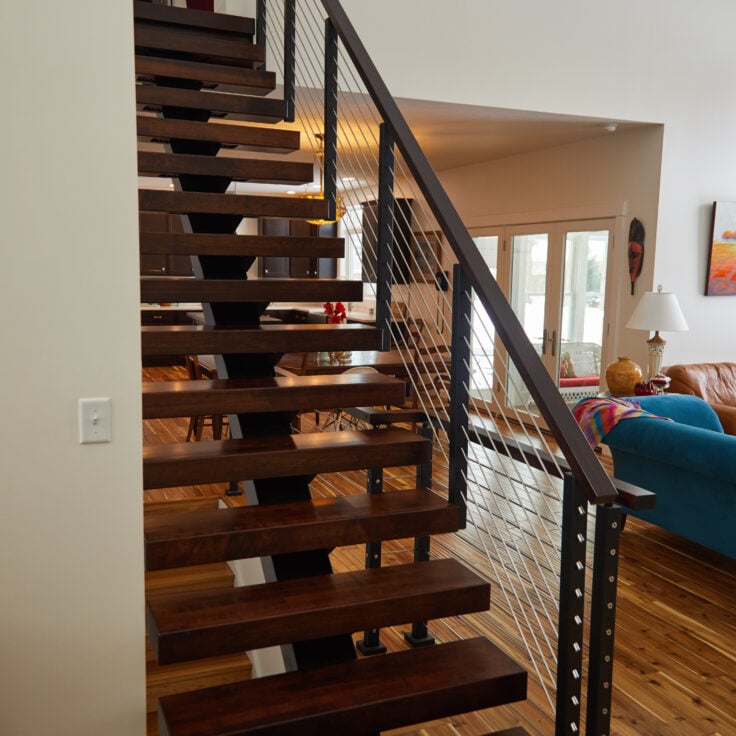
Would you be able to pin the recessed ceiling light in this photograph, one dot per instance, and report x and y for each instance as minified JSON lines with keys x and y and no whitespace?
{"x":611,"y":127}
{"x":291,"y":191}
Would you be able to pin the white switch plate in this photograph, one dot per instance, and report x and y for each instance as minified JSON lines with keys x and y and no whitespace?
{"x":94,"y":420}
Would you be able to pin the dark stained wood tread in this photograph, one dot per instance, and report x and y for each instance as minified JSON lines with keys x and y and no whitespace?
{"x":239,"y":169}
{"x":283,"y":393}
{"x":246,"y":107}
{"x":250,"y":617}
{"x":184,"y":289}
{"x":200,"y":43}
{"x":195,"y":578}
{"x":180,"y":505}
{"x":278,"y":456}
{"x":246,"y":137}
{"x":214,"y":535}
{"x":267,"y":338}
{"x":195,"y":18}
{"x":247,"y":81}
{"x":244,"y":205}
{"x":375,"y":415}
{"x":359,"y":698}
{"x":206,"y":244}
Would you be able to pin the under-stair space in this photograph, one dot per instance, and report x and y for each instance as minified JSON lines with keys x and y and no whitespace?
{"x":193,"y":68}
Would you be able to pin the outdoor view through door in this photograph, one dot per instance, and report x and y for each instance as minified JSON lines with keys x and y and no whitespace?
{"x":555,"y":278}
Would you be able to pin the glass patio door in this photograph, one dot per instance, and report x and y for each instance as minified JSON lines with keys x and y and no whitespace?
{"x":555,"y":279}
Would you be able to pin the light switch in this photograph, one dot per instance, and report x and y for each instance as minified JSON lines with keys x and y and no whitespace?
{"x":94,"y":420}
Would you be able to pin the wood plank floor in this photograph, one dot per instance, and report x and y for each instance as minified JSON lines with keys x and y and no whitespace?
{"x":675,"y":671}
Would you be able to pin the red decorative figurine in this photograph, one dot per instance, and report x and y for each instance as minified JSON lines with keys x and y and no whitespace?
{"x":335,"y":314}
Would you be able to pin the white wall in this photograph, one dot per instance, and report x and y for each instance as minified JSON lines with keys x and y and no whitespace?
{"x":662,"y":61}
{"x":71,"y":618}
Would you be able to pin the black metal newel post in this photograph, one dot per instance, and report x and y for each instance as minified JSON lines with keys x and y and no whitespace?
{"x":385,"y":234}
{"x":289,"y":60}
{"x":572,"y":608}
{"x":330,"y":132}
{"x":603,"y":620}
{"x":459,"y":388}
{"x":261,"y":28}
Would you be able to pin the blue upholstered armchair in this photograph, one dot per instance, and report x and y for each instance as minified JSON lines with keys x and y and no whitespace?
{"x":689,"y":463}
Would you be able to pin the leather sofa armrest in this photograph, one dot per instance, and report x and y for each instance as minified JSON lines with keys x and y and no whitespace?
{"x":727,"y":415}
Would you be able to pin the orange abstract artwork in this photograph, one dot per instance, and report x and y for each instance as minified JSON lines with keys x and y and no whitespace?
{"x":722,"y":263}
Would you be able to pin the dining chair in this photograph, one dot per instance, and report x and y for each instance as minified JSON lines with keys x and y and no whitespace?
{"x":218,"y":422}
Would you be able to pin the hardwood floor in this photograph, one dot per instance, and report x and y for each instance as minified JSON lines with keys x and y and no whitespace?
{"x":675,"y":671}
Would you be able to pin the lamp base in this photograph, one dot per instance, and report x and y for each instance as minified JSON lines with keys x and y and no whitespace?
{"x":656,"y":353}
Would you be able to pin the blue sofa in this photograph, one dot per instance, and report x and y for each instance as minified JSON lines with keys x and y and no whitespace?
{"x":689,"y":463}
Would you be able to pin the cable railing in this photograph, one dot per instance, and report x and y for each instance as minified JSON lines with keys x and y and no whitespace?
{"x":506,"y":446}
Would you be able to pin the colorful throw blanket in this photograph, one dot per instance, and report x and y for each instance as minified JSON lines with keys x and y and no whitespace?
{"x":597,"y":417}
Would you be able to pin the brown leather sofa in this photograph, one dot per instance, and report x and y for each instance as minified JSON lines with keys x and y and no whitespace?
{"x":714,"y":382}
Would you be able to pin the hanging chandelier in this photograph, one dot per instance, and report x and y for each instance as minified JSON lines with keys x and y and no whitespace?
{"x":340,"y":209}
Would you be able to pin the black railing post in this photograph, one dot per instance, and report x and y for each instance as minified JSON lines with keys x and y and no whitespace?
{"x":261,"y":28}
{"x":572,"y":608}
{"x":459,"y":388}
{"x":385,"y":234}
{"x":289,"y":60}
{"x":330,"y":132}
{"x":419,"y":635}
{"x":603,"y":620}
{"x":371,"y":643}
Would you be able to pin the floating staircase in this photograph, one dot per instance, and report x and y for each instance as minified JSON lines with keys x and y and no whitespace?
{"x":181,"y":57}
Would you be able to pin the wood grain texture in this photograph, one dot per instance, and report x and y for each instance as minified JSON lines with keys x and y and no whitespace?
{"x":245,"y":205}
{"x":212,"y":535}
{"x":358,"y":698}
{"x":184,"y":627}
{"x":280,"y":456}
{"x":247,"y":81}
{"x":238,"y":169}
{"x":274,"y":338}
{"x":281,"y":393}
{"x":183,"y":289}
{"x":199,"y":19}
{"x":258,"y":109}
{"x":240,"y":245}
{"x":246,"y":137}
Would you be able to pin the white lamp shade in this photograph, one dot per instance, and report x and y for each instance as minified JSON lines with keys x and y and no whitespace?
{"x":658,"y":311}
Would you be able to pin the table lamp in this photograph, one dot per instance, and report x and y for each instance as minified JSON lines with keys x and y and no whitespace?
{"x":657,"y":310}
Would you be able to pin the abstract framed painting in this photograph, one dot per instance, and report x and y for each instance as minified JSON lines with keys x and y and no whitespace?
{"x":721,"y":278}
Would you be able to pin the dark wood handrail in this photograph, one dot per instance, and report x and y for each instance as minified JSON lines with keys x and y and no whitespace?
{"x":588,"y":471}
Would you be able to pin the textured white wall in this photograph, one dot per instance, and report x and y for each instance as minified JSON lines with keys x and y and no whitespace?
{"x":662,"y":61}
{"x":71,"y":619}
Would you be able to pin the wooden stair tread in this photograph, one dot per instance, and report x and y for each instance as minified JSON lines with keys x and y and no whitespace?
{"x":195,"y":18}
{"x":185,"y":289}
{"x":278,"y":456}
{"x":209,"y":576}
{"x":183,"y":627}
{"x":183,"y":677}
{"x":267,"y":338}
{"x":244,"y":205}
{"x":377,"y":415}
{"x":255,"y":531}
{"x":206,"y":244}
{"x":205,"y":44}
{"x":360,"y":697}
{"x":282,"y":393}
{"x":246,"y":107}
{"x":247,"y":81}
{"x":180,"y":505}
{"x":247,"y":137}
{"x":240,"y":169}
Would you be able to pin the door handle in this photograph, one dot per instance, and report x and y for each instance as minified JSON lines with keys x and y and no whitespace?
{"x":553,"y":345}
{"x":544,"y":341}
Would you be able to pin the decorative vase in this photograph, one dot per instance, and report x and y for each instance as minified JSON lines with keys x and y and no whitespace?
{"x":622,"y":376}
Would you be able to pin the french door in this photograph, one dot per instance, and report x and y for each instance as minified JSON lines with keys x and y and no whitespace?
{"x":554,"y":275}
